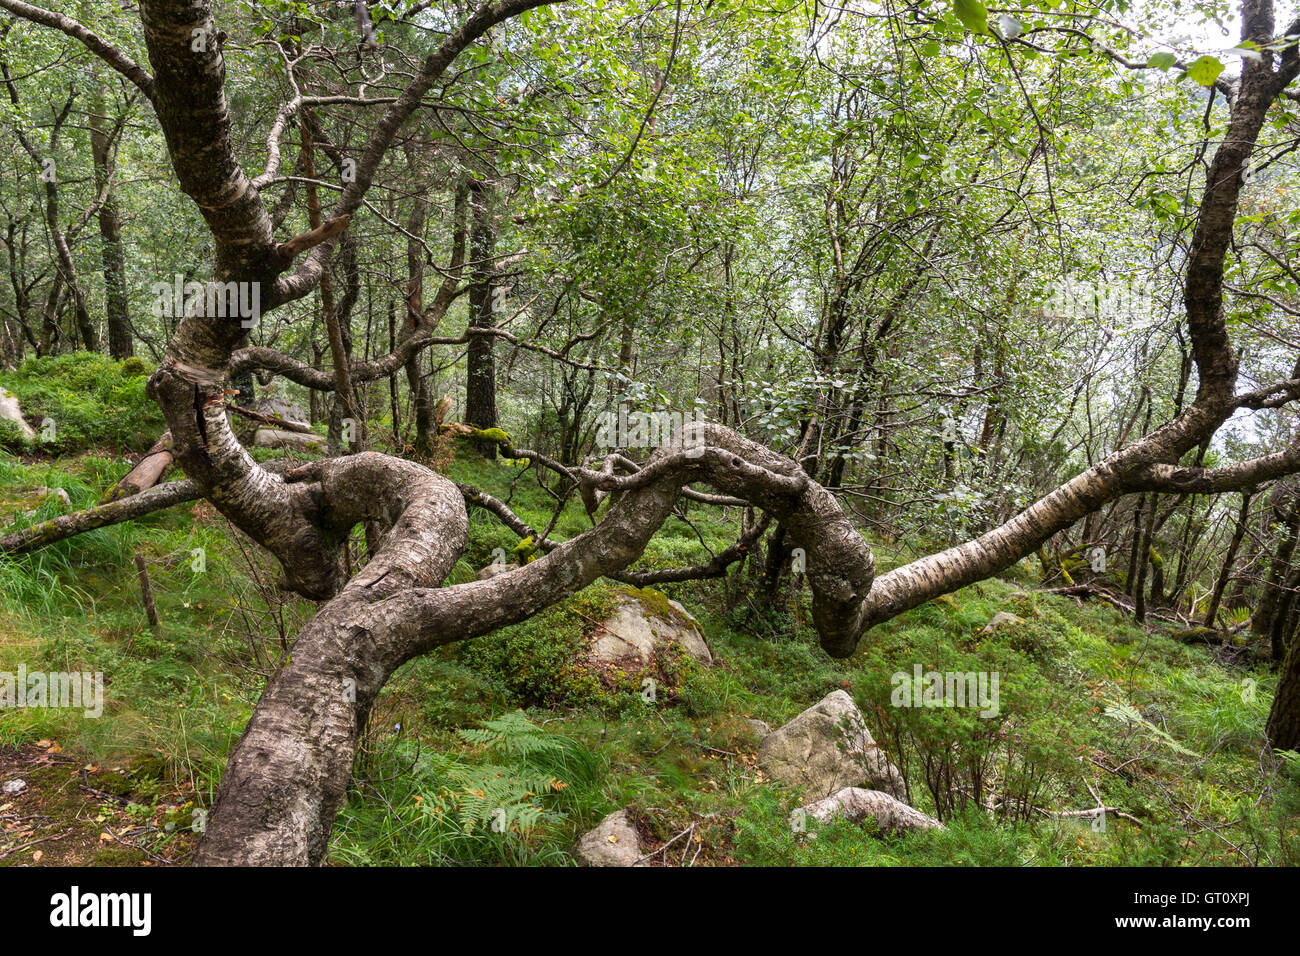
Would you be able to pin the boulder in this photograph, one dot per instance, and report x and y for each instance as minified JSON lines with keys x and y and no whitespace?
{"x":828,"y":748}
{"x":279,"y":408}
{"x":11,"y":412}
{"x":613,"y":842}
{"x":641,"y":623}
{"x":856,"y":805}
{"x":276,"y":408}
{"x":1001,"y":619}
{"x":280,"y":438}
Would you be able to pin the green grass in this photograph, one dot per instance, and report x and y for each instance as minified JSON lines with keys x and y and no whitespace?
{"x":514,"y":723}
{"x":82,"y":400}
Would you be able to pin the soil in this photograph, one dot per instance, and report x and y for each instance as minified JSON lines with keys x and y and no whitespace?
{"x":75,"y":813}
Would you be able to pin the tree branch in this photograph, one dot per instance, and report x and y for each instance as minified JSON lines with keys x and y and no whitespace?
{"x":104,"y":50}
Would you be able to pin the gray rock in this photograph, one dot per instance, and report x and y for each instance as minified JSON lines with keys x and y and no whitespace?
{"x":1001,"y":619}
{"x":828,"y":748}
{"x":279,"y":408}
{"x":10,"y":411}
{"x":276,"y":408}
{"x":15,"y":786}
{"x":856,"y":804}
{"x":280,"y":438}
{"x":612,"y":843}
{"x":641,"y":624}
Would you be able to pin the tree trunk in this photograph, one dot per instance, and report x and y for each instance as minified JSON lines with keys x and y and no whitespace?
{"x":1229,"y":561}
{"x":121,"y":344}
{"x":480,"y":374}
{"x":1280,"y":567}
{"x":1284,"y":717}
{"x":421,"y":401}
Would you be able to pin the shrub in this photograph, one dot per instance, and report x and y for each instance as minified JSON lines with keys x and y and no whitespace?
{"x":91,"y":400}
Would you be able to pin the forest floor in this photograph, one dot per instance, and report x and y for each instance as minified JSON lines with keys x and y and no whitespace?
{"x":1093,"y":708}
{"x":72,"y":814}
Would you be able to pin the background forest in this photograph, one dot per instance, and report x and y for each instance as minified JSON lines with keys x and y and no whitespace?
{"x":936,"y":254}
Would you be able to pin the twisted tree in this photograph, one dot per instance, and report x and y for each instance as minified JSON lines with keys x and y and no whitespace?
{"x":288,"y":774}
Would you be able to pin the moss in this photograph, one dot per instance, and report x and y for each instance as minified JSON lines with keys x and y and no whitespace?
{"x":14,"y":501}
{"x":490,"y":434}
{"x":523,"y":551}
{"x":133,"y":368}
{"x":1197,"y":635}
{"x":544,"y":661}
{"x":115,"y":783}
{"x":111,"y":855}
{"x":657,"y":604}
{"x":90,"y":400}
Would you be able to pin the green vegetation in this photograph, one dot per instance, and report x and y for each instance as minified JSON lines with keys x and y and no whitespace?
{"x":787,"y":291}
{"x":89,"y":402}
{"x":503,"y":750}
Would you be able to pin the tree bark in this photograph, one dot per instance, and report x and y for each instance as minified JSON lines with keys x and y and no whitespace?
{"x":117,"y":318}
{"x":480,"y":369}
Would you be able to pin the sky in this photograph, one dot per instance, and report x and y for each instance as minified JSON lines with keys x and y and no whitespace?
{"x":1194,"y":32}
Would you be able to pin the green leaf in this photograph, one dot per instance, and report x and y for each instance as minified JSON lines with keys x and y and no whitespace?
{"x":1162,"y":61}
{"x":1127,"y":714}
{"x":932,"y":48}
{"x":1205,"y":70}
{"x":972,"y":15}
{"x":1244,"y":52}
{"x":1009,"y":27}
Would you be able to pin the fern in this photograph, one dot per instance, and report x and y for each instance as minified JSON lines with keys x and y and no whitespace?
{"x":1127,"y":714}
{"x":515,"y":735}
{"x":1236,"y":616}
{"x":526,"y":767}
